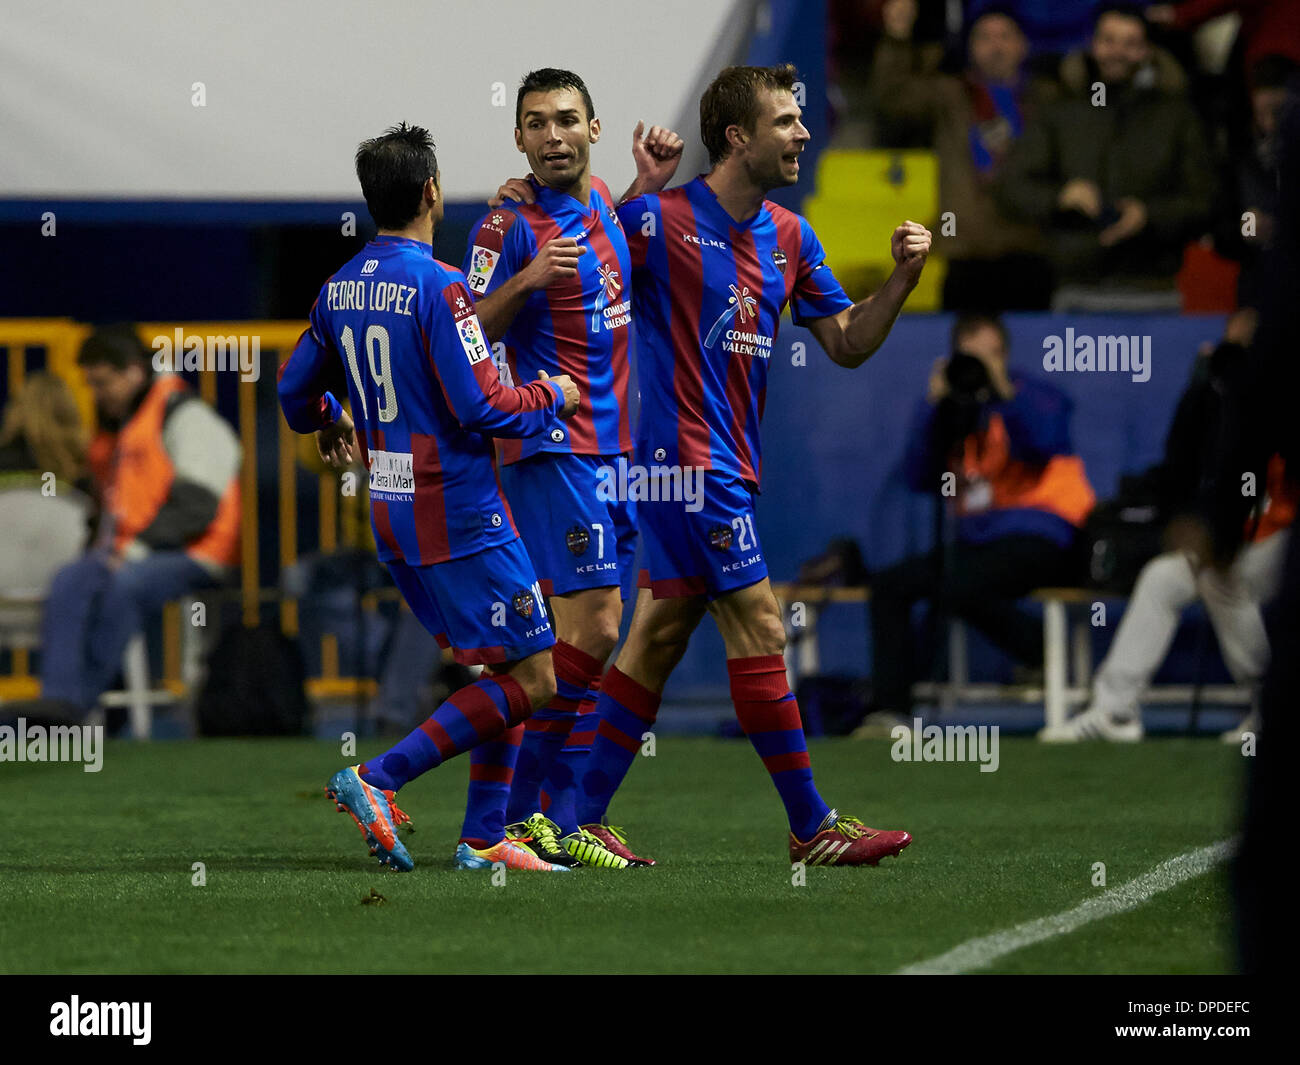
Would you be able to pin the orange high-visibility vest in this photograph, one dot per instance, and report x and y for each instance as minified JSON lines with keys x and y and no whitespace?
{"x":135,"y":475}
{"x":1060,"y":487}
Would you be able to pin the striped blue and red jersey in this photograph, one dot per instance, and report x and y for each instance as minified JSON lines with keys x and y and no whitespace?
{"x":396,"y":330}
{"x":579,"y":326}
{"x":709,"y":296}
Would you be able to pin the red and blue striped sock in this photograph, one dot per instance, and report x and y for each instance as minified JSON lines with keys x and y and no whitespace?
{"x":547,"y":730}
{"x":560,"y":797}
{"x":479,"y":712}
{"x":769,"y":716}
{"x":626,"y":711}
{"x":491,"y":770}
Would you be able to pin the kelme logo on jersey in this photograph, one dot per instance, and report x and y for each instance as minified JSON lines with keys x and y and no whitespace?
{"x":720,"y":537}
{"x":471,"y":339}
{"x":577,"y":540}
{"x":370,"y":267}
{"x":483,"y":261}
{"x":523,"y":603}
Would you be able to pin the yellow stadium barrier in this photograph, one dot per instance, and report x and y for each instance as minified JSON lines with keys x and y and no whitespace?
{"x":52,"y":344}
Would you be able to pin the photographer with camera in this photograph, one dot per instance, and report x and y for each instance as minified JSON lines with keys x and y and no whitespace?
{"x":995,"y":444}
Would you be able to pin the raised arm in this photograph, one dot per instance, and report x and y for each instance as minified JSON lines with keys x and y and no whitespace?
{"x":656,"y":155}
{"x":853,"y":334}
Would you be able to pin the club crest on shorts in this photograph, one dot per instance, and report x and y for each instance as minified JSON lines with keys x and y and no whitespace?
{"x":523,"y":603}
{"x":778,"y":257}
{"x":720,"y":537}
{"x":577,"y":540}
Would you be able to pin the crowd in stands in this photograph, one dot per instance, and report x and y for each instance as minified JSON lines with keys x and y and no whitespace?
{"x":1081,"y":145}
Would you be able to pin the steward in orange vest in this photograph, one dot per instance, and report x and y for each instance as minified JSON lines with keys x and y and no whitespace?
{"x":166,"y":472}
{"x":168,"y":477}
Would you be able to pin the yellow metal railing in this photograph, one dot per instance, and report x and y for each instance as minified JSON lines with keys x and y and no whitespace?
{"x":54,"y":344}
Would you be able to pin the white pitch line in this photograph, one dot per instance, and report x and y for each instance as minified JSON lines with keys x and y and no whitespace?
{"x":982,"y":952}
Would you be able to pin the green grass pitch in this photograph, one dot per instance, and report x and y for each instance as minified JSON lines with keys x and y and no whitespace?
{"x":96,"y":869}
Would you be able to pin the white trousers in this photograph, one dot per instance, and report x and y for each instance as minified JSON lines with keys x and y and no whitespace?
{"x":1165,"y":586}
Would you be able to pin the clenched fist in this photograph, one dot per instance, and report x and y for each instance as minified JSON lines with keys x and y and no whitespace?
{"x":571,"y":393}
{"x":910,"y":244}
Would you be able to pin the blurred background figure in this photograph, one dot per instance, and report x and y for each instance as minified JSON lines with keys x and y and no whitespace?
{"x":1268,"y":27}
{"x":994,"y":263}
{"x":998,"y":444}
{"x":165,"y":468}
{"x":41,"y":432}
{"x":1117,"y":172}
{"x":1246,"y":214}
{"x":43,"y":509}
{"x":1234,"y":594}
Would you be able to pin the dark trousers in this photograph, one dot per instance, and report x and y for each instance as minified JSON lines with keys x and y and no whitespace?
{"x":92,"y":612}
{"x":980,"y":584}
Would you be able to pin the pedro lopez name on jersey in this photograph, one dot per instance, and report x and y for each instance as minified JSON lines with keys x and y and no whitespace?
{"x":709,"y":296}
{"x":395,"y":331}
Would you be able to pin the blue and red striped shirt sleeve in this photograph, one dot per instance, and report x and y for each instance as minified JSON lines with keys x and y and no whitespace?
{"x":640,"y":221}
{"x":307,"y":380}
{"x":817,"y":293}
{"x":461,"y":359}
{"x":498,"y":249}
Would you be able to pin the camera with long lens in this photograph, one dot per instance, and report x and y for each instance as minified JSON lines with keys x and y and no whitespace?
{"x":968,"y":379}
{"x":958,"y":413}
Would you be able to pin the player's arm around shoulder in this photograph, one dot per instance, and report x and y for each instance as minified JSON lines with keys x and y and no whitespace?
{"x":853,"y":334}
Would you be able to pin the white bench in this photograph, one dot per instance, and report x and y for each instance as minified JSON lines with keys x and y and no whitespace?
{"x":1067,"y":655}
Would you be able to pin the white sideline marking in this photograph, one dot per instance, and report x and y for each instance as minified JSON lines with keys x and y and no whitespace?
{"x":982,"y":952}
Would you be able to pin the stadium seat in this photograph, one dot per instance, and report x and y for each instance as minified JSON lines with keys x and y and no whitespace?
{"x":40,"y":534}
{"x":860,"y":197}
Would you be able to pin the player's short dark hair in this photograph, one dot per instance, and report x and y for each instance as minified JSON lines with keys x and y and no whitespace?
{"x":550,"y":79}
{"x":117,"y":345}
{"x":392,"y":170}
{"x":973,"y":322}
{"x":732,"y":100}
{"x":1132,"y":11}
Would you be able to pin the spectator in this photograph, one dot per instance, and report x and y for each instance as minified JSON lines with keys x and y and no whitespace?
{"x":1245,"y":218}
{"x":42,"y":513}
{"x":1000,"y":441}
{"x":1052,"y":27}
{"x":993,"y":262}
{"x":1268,"y":27}
{"x":42,"y":433}
{"x":165,"y":469}
{"x":1233,"y":595}
{"x":1117,"y":173}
